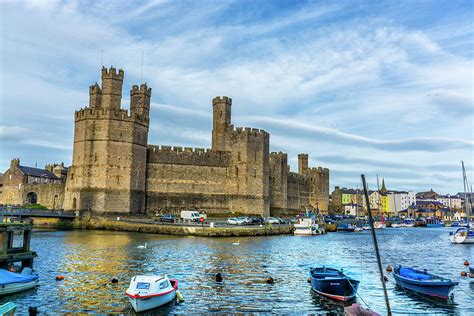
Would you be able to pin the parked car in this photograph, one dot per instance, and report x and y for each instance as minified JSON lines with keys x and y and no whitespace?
{"x":257,"y":220}
{"x":233,"y":221}
{"x":170,"y":218}
{"x":273,"y":220}
{"x":245,"y":220}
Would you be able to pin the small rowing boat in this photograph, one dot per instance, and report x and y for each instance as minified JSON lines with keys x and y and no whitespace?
{"x":147,"y":292}
{"x":333,"y":283}
{"x":8,"y":309}
{"x":12,"y":282}
{"x":423,"y":282}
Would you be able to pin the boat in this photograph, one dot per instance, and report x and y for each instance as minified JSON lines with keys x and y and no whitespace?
{"x":464,"y":235}
{"x":333,"y":283}
{"x":357,"y":310}
{"x":423,"y":282}
{"x":408,"y":223}
{"x":358,"y":229}
{"x":346,"y":228}
{"x":307,"y":226}
{"x":434,"y":222}
{"x":150,"y":291}
{"x":379,"y":224}
{"x":12,"y":282}
{"x":397,"y":225}
{"x":8,"y":309}
{"x":471,"y":272}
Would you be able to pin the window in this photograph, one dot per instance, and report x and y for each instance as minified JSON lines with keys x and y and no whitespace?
{"x":143,"y":286}
{"x":164,"y":285}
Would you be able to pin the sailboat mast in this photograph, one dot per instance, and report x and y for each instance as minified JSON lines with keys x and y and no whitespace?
{"x":376,"y":246}
{"x":466,"y":188}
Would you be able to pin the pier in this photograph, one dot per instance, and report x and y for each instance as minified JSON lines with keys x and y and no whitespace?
{"x":9,"y":254}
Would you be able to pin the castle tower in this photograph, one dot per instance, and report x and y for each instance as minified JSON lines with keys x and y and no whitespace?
{"x":221,"y":127}
{"x":111,"y":88}
{"x":140,"y":100}
{"x":108,"y":171}
{"x":302,"y":163}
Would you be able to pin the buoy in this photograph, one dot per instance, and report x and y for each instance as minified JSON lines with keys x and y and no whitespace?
{"x":466,"y":263}
{"x":12,"y":269}
{"x":389,"y":268}
{"x":114,"y":280}
{"x":59,"y":277}
{"x":218,"y":277}
{"x":269,"y":280}
{"x":179,"y":296}
{"x":463,"y":273}
{"x":32,"y":310}
{"x":309,"y":280}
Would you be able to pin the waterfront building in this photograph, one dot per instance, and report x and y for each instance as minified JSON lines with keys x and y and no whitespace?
{"x":451,"y":201}
{"x":115,"y":170}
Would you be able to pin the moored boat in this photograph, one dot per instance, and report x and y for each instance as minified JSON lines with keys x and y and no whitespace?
{"x":333,"y":283}
{"x":8,"y":309}
{"x":147,"y":292}
{"x":408,"y":223}
{"x":462,"y":235}
{"x":423,"y":282}
{"x":397,"y":225}
{"x":12,"y":282}
{"x":346,"y":228}
{"x":308,"y":227}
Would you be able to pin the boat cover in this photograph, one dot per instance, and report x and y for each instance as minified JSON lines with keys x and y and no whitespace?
{"x":414,"y":275}
{"x":7,"y":277}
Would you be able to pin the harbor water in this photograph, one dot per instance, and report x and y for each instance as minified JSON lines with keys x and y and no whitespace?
{"x":88,"y":260}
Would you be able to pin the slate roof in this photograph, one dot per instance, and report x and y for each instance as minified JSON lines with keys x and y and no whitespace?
{"x":36,"y":172}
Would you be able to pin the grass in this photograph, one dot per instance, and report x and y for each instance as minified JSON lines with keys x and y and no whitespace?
{"x":36,"y":207}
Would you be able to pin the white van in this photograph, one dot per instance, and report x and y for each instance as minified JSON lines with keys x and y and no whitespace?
{"x":190,"y":216}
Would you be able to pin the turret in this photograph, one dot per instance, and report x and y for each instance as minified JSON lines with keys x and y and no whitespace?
{"x":95,"y":96}
{"x":112,"y":87}
{"x":15,"y":163}
{"x":221,"y":127}
{"x":302,"y":163}
{"x":140,"y":100}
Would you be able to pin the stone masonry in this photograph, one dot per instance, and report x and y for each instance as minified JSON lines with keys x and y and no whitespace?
{"x":115,"y":170}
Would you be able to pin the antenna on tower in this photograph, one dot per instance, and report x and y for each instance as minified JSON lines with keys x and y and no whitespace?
{"x":141,"y":73}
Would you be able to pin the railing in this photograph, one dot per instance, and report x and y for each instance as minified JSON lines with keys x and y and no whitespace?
{"x":19,"y":211}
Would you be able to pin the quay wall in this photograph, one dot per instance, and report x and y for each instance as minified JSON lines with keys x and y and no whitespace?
{"x":112,"y":225}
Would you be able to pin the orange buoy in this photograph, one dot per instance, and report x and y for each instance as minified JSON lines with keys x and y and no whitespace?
{"x":466,"y":263}
{"x":463,"y":273}
{"x":309,"y":280}
{"x":59,"y":277}
{"x":389,"y":268}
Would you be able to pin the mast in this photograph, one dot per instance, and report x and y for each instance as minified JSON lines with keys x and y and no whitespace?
{"x":376,"y":246}
{"x":466,"y":188}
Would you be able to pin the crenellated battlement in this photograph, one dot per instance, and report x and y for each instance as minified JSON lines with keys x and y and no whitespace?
{"x":223,"y":99}
{"x":143,"y":89}
{"x":112,"y":73}
{"x":249,"y":132}
{"x":95,"y":89}
{"x":294,"y":177}
{"x":187,"y":156}
{"x":110,"y":114}
{"x":278,"y":154}
{"x":319,"y":170}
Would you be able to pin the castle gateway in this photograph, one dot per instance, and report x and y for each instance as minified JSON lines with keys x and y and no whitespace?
{"x":115,"y":170}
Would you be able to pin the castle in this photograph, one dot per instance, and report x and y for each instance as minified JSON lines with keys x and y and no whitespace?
{"x":115,"y":170}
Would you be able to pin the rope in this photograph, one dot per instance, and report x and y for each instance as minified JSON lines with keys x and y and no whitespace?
{"x":358,"y":294}
{"x":465,"y":292}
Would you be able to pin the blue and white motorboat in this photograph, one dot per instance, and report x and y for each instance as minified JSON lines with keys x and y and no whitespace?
{"x":423,"y":282}
{"x":346,"y":228}
{"x":147,"y":292}
{"x":464,"y":235}
{"x":12,"y":282}
{"x":333,"y":283}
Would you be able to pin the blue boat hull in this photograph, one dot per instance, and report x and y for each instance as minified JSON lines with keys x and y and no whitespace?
{"x":439,"y":289}
{"x":338,"y":287}
{"x":434,"y":225}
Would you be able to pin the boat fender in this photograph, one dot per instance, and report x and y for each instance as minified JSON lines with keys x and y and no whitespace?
{"x":179,"y":296}
{"x":309,"y":280}
{"x":59,"y":277}
{"x":389,"y":268}
{"x":463,"y":273}
{"x":114,"y":280}
{"x":269,"y":280}
{"x":466,"y":263}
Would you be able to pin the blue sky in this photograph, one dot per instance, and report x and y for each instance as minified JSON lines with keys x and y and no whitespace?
{"x":361,"y":86}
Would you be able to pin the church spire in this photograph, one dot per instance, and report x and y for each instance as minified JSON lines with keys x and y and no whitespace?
{"x":383,"y":189}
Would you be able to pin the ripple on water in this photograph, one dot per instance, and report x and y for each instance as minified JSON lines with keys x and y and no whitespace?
{"x":90,"y":259}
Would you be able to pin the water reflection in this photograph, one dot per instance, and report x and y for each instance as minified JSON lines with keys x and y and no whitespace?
{"x":90,"y":259}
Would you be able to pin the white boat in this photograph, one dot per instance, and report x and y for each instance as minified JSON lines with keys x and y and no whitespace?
{"x":12,"y":282}
{"x":397,"y":225}
{"x":464,"y":235}
{"x":307,"y":227}
{"x":379,"y":225}
{"x":150,"y":291}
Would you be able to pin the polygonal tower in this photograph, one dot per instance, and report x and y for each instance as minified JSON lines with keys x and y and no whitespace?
{"x":110,"y":147}
{"x":221,"y":127}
